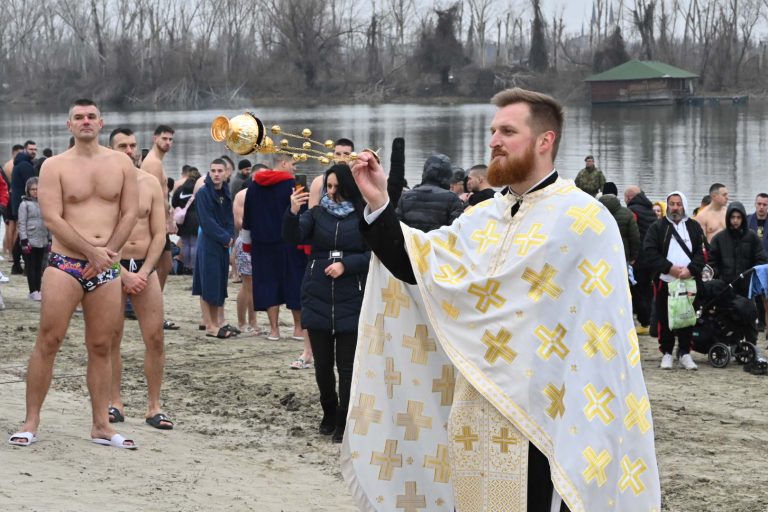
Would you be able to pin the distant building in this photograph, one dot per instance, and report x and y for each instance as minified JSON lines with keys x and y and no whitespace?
{"x":641,"y":82}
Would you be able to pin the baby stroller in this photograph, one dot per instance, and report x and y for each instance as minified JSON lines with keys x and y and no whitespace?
{"x":726,"y":326}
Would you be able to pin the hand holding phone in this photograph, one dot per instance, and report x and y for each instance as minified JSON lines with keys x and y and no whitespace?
{"x":301,"y":182}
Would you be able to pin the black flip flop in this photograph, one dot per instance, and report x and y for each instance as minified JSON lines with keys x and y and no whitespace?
{"x":170,"y":326}
{"x":158,"y":421}
{"x":115,"y":416}
{"x":234,"y":330}
{"x":223,"y":334}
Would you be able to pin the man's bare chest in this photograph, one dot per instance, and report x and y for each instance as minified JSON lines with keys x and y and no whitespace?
{"x":90,"y":183}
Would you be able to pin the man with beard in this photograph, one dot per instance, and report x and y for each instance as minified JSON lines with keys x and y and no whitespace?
{"x":153,"y":164}
{"x":674,"y":249}
{"x":526,"y":295}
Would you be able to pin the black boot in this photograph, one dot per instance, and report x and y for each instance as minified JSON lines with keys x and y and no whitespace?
{"x":341,"y":423}
{"x":328,"y":423}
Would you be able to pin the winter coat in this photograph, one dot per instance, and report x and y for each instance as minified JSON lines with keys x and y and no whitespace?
{"x":330,"y":304}
{"x":427,"y":207}
{"x":180,"y":198}
{"x":22,"y":171}
{"x":752,"y":225}
{"x":733,"y":251}
{"x":31,"y":225}
{"x":590,"y":181}
{"x":656,"y":245}
{"x":630,"y":233}
{"x":642,"y":208}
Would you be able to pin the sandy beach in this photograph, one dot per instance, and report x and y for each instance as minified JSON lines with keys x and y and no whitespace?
{"x":246,"y":426}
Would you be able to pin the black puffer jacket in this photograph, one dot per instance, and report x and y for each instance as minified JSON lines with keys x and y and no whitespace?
{"x":330,"y":304}
{"x":180,"y":199}
{"x":427,"y":207}
{"x":630,"y":235}
{"x":733,"y":251}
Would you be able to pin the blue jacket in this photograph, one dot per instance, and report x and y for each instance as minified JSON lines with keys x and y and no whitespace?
{"x":22,"y":171}
{"x":330,"y":304}
{"x":752,"y":224}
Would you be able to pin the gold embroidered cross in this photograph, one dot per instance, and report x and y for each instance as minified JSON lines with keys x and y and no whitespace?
{"x":542,"y":282}
{"x":450,"y":310}
{"x":486,"y":237}
{"x":585,"y":218}
{"x":449,"y":245}
{"x":440,"y":464}
{"x":637,"y":412}
{"x":421,"y":345}
{"x":422,"y":251}
{"x":391,"y":377}
{"x":551,"y":342}
{"x":631,"y":472}
{"x":557,"y":397}
{"x":596,"y":466}
{"x":413,"y":420}
{"x":497,"y":346}
{"x":467,"y":438}
{"x":599,"y":340}
{"x":595,"y":277}
{"x":634,"y":354}
{"x":364,"y":414}
{"x":487,"y":295}
{"x":375,"y":333}
{"x":450,"y":276}
{"x":410,"y":501}
{"x":394,"y":298}
{"x":504,"y":440}
{"x":388,"y":460}
{"x":444,"y":385}
{"x":528,"y":240}
{"x":599,"y":404}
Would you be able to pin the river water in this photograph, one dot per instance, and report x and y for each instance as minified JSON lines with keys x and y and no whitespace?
{"x":660,"y":148}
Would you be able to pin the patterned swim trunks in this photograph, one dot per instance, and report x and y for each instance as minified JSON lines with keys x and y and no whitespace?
{"x":76,"y":267}
{"x":242,"y":259}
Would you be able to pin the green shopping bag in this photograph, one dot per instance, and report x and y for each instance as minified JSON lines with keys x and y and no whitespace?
{"x":680,"y":303}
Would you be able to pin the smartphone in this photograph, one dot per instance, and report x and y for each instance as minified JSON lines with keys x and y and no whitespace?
{"x":301,"y":181}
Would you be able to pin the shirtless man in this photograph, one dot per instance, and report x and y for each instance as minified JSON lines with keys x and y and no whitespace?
{"x":246,"y":315}
{"x":137,"y":273}
{"x":712,"y":218}
{"x":153,"y":164}
{"x":89,"y":201}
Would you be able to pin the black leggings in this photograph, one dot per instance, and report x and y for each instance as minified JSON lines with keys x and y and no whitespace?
{"x":33,"y":262}
{"x":324,"y":346}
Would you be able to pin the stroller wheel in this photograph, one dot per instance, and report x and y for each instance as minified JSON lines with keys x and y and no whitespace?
{"x":719,"y":355}
{"x":745,"y":352}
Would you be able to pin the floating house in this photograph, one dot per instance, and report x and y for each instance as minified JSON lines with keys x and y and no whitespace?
{"x":641,"y":82}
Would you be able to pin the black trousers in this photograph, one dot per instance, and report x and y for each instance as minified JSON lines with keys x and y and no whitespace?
{"x":642,"y":295}
{"x":327,"y":349}
{"x":33,"y":263}
{"x":667,"y":337}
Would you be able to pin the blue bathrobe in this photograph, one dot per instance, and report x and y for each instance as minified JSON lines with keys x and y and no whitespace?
{"x":217,"y":226}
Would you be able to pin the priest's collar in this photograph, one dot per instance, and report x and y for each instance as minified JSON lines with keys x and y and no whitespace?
{"x":545,"y":182}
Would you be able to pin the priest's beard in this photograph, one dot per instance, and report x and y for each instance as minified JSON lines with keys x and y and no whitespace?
{"x":509,"y":170}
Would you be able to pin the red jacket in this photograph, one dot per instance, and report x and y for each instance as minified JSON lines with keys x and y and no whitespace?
{"x":4,"y":195}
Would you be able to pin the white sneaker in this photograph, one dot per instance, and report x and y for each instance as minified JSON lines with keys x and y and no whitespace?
{"x":687,"y":362}
{"x":31,"y":296}
{"x":37,"y":296}
{"x":4,"y":278}
{"x":666,"y":362}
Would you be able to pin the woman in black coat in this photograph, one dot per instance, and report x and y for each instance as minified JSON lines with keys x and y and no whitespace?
{"x":333,"y":286}
{"x":187,"y":231}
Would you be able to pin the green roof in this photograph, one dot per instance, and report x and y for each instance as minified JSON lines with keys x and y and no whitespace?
{"x":640,"y":70}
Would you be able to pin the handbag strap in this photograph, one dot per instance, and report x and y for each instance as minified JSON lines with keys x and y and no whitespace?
{"x":680,"y":241}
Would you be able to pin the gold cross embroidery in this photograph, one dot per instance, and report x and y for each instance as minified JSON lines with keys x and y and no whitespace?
{"x":528,"y":240}
{"x":634,"y":354}
{"x":410,"y":501}
{"x":486,"y":237}
{"x":467,"y":438}
{"x":422,"y":251}
{"x":444,"y":385}
{"x":394,"y":298}
{"x":599,"y":340}
{"x":497,"y":346}
{"x":420,"y":344}
{"x":542,"y":283}
{"x":440,"y":464}
{"x":388,"y":460}
{"x":450,"y":310}
{"x":630,"y":477}
{"x":637,"y":412}
{"x":596,"y":465}
{"x":364,"y":414}
{"x":504,"y":440}
{"x":391,"y":377}
{"x":557,"y":397}
{"x":585,"y":218}
{"x":376,"y":334}
{"x":599,"y":404}
{"x":487,"y":295}
{"x":450,"y":276}
{"x":449,"y":245}
{"x":595,"y":277}
{"x":551,"y":342}
{"x":413,"y":420}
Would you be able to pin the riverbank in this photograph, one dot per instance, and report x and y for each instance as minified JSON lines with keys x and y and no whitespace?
{"x":245,"y":436}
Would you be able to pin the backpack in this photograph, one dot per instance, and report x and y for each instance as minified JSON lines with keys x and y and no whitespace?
{"x":179,"y":213}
